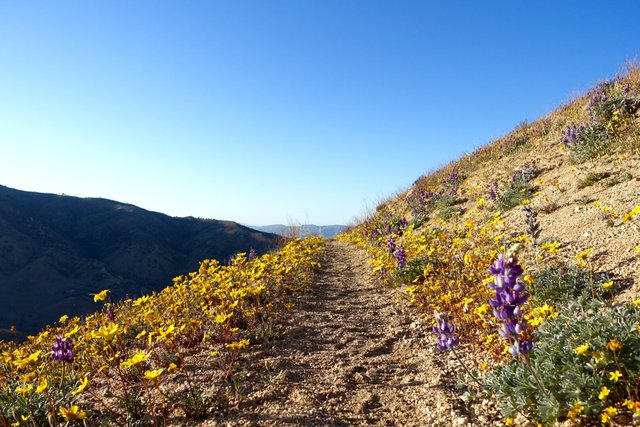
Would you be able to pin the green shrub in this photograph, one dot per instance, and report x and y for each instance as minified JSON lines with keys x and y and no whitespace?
{"x":559,"y":284}
{"x":585,"y":360}
{"x":611,"y":109}
{"x":592,"y":178}
{"x":517,"y":189}
{"x":412,"y":271}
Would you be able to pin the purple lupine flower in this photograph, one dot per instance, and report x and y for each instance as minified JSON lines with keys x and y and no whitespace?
{"x":493,"y":191}
{"x":401,"y":258}
{"x":446,"y":339}
{"x":62,"y":350}
{"x":391,"y":245}
{"x":573,"y":134}
{"x":520,"y":348}
{"x":625,"y":90}
{"x":111,"y":315}
{"x":507,"y":303}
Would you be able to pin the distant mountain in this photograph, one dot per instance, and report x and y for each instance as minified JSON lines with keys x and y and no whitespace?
{"x":57,"y":250}
{"x":327,"y":231}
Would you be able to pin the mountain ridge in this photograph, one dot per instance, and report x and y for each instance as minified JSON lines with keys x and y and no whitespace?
{"x":55,"y":250}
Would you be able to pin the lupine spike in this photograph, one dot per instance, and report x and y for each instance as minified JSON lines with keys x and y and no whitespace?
{"x":508,"y":299}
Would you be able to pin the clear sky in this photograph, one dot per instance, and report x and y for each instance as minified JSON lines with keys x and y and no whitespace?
{"x":276,"y":111}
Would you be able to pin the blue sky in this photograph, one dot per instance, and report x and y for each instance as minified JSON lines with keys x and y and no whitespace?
{"x":281,"y":111}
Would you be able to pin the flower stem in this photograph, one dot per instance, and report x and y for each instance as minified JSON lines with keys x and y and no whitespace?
{"x":473,"y":377}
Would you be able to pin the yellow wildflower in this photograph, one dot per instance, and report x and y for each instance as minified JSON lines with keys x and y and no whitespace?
{"x":584,"y":254}
{"x":152,"y":375}
{"x":222,"y":317}
{"x":166,"y":333}
{"x":597,"y":204}
{"x":615,"y":375}
{"x":631,"y":214}
{"x":106,"y":332}
{"x":482,"y":310}
{"x":614,"y":345}
{"x":100,"y":296}
{"x":604,"y":392}
{"x":24,"y":389}
{"x":42,"y":385}
{"x":28,"y":377}
{"x":575,"y":410}
{"x":608,"y":413}
{"x":581,"y":350}
{"x":72,"y":413}
{"x":138,"y":302}
{"x":552,"y":247}
{"x":138,"y":357}
{"x":83,"y":384}
{"x":33,"y":357}
{"x":63,"y":318}
{"x":238,"y":345}
{"x":607,"y":285}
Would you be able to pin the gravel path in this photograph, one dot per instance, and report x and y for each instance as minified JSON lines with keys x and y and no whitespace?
{"x":350,"y":357}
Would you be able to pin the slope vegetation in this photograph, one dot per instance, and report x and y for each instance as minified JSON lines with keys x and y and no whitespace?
{"x":552,"y":208}
{"x":57,"y":250}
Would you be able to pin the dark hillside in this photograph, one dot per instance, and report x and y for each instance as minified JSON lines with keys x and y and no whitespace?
{"x":57,"y":250}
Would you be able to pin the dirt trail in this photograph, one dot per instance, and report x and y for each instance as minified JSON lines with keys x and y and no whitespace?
{"x":350,"y":357}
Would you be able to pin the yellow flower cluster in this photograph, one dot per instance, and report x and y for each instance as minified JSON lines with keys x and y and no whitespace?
{"x":452,"y":275}
{"x":147,"y":338}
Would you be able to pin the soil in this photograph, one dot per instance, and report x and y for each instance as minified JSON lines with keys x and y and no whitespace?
{"x":351,"y":356}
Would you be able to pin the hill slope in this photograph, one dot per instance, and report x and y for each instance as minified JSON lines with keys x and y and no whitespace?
{"x":57,"y":250}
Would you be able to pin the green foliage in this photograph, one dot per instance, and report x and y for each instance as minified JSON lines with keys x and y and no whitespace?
{"x":575,"y":357}
{"x":550,"y":207}
{"x":412,"y":272}
{"x":594,"y":141}
{"x":559,"y":284}
{"x":584,"y":200}
{"x":611,"y":109}
{"x":592,"y":178}
{"x":518,"y":189}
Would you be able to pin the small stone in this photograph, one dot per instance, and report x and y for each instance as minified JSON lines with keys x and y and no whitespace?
{"x":577,"y":209}
{"x":460,"y":421}
{"x":586,"y":234}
